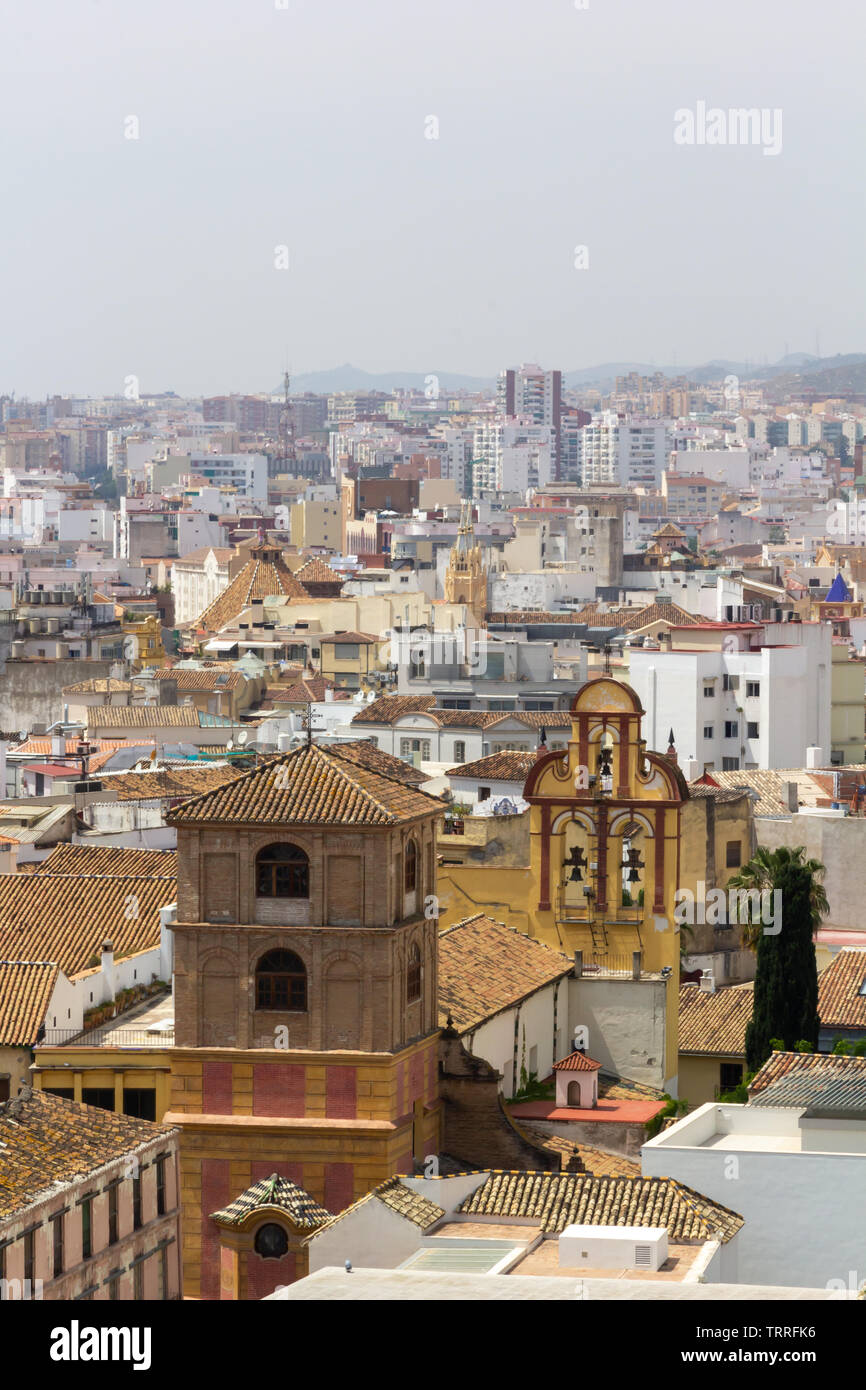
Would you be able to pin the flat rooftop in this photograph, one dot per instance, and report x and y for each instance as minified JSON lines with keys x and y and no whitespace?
{"x":148,"y":1024}
{"x":764,"y":1129}
{"x":406,"y":1285}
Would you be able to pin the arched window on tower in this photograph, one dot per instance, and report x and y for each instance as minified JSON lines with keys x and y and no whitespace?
{"x":413,"y":974}
{"x":282,"y":871}
{"x":410,"y":868}
{"x":281,"y":982}
{"x":271,"y":1241}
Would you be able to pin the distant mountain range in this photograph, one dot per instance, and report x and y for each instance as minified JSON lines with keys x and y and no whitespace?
{"x":831,"y":373}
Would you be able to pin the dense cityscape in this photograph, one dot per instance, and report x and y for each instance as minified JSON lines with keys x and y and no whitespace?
{"x":431,"y":801}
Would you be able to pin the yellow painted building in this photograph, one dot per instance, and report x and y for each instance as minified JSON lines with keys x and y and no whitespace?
{"x":71,"y":1070}
{"x":605,"y":847}
{"x":145,"y":629}
{"x":348,"y":658}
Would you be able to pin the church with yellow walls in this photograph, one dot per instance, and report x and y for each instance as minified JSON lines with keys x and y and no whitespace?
{"x":605,"y":831}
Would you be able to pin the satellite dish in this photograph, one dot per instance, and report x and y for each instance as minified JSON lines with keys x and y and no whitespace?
{"x":229,"y":746}
{"x":242,"y":738}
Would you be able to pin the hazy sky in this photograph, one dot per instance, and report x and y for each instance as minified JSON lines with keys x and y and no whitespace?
{"x":262,"y":127}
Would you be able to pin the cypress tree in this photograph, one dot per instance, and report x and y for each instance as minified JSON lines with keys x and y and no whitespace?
{"x":786,"y":978}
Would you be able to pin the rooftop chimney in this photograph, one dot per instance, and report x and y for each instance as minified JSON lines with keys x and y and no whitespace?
{"x":107,"y":962}
{"x":708,"y":982}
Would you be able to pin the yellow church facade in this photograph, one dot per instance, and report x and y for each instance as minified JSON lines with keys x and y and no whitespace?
{"x":605,"y":838}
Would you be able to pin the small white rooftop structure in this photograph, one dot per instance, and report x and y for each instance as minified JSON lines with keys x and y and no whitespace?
{"x":613,"y":1247}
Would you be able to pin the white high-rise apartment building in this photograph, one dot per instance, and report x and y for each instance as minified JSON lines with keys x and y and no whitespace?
{"x":533,"y":394}
{"x":623,"y":452}
{"x":456,"y":454}
{"x":512,"y":455}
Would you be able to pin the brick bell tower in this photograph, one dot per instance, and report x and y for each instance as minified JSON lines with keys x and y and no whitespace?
{"x":305,"y":999}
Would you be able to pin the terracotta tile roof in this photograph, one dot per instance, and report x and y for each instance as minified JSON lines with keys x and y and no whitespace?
{"x":389,"y":707}
{"x":213,"y":678}
{"x":144,"y":717}
{"x":815,"y":1080}
{"x":108,"y":859}
{"x":667,"y":612}
{"x":699,"y":789}
{"x":222,"y":555}
{"x":596,"y":1162}
{"x":265,"y":575}
{"x":274,"y":1193}
{"x":363,"y":639}
{"x":312,"y":785}
{"x":461,"y":718}
{"x":67,"y":917}
{"x":485,"y":967}
{"x":25,"y":991}
{"x":533,"y":718}
{"x":47,"y":1140}
{"x":616,"y":1088}
{"x":168,"y":782}
{"x":413,"y":1205}
{"x":364,"y":754}
{"x":605,"y":1165}
{"x":532,"y":616}
{"x":36,"y":744}
{"x":715,"y":1024}
{"x":632,"y":619}
{"x":499,"y":767}
{"x":317,"y":571}
{"x":841,"y":1000}
{"x":98,"y":686}
{"x":303,"y":692}
{"x":557,"y":1200}
{"x":770,"y":789}
{"x":577,"y":1061}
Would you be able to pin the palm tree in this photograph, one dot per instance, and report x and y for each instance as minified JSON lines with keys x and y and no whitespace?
{"x":786,"y":975}
{"x":763,"y":872}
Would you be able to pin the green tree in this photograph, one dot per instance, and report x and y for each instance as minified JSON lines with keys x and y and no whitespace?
{"x":760,"y":875}
{"x":786,"y":978}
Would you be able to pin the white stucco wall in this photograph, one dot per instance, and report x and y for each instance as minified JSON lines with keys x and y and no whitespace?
{"x":626,"y":1025}
{"x":805,"y":1217}
{"x":495,"y":1041}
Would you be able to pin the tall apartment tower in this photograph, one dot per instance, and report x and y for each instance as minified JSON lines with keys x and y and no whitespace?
{"x":305,"y":1001}
{"x":529,"y":391}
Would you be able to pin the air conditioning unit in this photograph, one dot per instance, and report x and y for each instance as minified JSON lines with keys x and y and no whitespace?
{"x":613,"y":1247}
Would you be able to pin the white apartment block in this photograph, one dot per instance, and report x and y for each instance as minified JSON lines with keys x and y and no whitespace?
{"x":625,"y":453}
{"x":760,"y":708}
{"x":247,"y":473}
{"x":512,"y":455}
{"x":455,"y":449}
{"x":727,"y":466}
{"x":197,"y":579}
